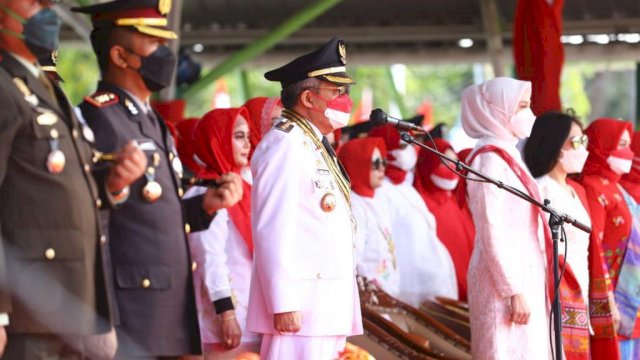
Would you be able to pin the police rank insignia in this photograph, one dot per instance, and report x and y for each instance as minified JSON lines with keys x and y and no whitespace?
{"x":102,"y":99}
{"x":342,"y":51}
{"x":284,"y":126}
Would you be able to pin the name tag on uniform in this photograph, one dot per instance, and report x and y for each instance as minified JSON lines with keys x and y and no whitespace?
{"x":47,"y":118}
{"x":145,"y":144}
{"x":322,"y":181}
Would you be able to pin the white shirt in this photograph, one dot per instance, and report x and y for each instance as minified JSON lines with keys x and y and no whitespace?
{"x":426,"y":267}
{"x":375,"y":248}
{"x":567,"y":201}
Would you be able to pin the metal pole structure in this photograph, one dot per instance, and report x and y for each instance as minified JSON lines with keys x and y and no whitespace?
{"x":175,"y":23}
{"x":491,"y":22}
{"x":263,"y":44}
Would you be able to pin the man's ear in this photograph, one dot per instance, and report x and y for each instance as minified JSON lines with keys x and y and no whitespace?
{"x":118,"y":56}
{"x":305,"y":99}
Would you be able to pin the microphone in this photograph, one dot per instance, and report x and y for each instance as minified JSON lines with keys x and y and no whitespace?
{"x":378,"y":117}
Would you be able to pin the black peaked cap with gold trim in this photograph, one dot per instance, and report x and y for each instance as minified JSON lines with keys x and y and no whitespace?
{"x":145,"y":16}
{"x":327,"y":63}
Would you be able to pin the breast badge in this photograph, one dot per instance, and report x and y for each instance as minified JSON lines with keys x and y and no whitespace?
{"x":328,"y":202}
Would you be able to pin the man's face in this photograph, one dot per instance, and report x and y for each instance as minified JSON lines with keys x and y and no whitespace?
{"x":138,"y":46}
{"x":321,"y":94}
{"x":23,"y":8}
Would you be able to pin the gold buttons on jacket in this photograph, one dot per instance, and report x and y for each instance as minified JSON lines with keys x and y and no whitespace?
{"x":50,"y":254}
{"x":98,"y":203}
{"x":146,"y":283}
{"x":187,"y":228}
{"x":74,"y":133}
{"x":87,"y":168}
{"x":194,"y":266}
{"x":103,"y":239}
{"x":180,"y":192}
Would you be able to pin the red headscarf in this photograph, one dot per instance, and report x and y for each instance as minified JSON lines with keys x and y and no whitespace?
{"x":355,"y":155}
{"x":260,"y":110}
{"x":172,"y":111}
{"x":391,"y":137}
{"x":631,"y":181}
{"x":604,"y":136}
{"x":427,"y":163}
{"x":214,"y":147}
{"x":185,"y":144}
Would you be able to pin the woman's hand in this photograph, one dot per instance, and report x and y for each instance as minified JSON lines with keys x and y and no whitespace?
{"x":520,"y":311}
{"x":615,"y":313}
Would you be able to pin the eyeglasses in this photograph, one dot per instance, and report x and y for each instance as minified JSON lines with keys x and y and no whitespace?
{"x":378,"y":163}
{"x":342,"y":90}
{"x":580,"y":140}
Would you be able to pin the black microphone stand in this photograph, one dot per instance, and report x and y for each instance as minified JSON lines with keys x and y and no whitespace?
{"x":556,"y":219}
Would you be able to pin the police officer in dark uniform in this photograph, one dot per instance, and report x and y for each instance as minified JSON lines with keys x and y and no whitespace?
{"x":149,"y":249}
{"x":55,"y":281}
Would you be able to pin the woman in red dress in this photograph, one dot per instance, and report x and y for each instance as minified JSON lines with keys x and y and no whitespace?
{"x":609,"y":158}
{"x":436,"y":184}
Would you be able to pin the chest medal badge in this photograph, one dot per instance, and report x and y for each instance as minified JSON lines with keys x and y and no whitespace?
{"x":152,"y":190}
{"x":56,"y":159}
{"x":328,"y":202}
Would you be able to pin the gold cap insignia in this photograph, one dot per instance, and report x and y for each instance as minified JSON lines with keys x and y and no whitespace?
{"x":164,"y":6}
{"x":342,"y":51}
{"x":54,"y":57}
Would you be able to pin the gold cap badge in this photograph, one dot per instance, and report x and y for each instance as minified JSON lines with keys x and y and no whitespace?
{"x":342,"y":51}
{"x":164,"y":6}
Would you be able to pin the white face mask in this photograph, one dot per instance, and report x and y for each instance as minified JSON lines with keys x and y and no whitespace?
{"x":572,"y":161}
{"x":618,"y":165}
{"x":444,"y":184}
{"x":338,"y":119}
{"x":522,"y":123}
{"x":404,"y":159}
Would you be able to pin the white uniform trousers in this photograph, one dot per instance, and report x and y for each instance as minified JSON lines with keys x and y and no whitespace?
{"x":287,"y":347}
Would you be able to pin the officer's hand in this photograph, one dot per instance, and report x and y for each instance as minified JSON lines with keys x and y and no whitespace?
{"x":287,"y":323}
{"x":227,"y":194}
{"x":3,"y":340}
{"x":230,"y":329}
{"x":129,"y":165}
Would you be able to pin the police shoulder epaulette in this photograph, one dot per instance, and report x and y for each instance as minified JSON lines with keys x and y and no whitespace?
{"x":102,"y":99}
{"x":285,"y":126}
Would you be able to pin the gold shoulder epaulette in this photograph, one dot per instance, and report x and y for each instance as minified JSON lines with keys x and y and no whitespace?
{"x":285,"y":126}
{"x":102,"y":99}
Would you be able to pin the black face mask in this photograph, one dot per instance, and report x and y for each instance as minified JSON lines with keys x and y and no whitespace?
{"x":158,"y":68}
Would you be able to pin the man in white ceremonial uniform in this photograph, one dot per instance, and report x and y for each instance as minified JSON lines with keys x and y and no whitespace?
{"x":304,"y":298}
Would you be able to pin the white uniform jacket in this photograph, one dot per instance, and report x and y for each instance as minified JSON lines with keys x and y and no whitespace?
{"x":303,"y":256}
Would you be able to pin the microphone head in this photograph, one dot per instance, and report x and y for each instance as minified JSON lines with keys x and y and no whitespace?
{"x":378,"y":117}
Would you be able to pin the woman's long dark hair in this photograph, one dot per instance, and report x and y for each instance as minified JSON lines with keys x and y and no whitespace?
{"x":549,"y":133}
